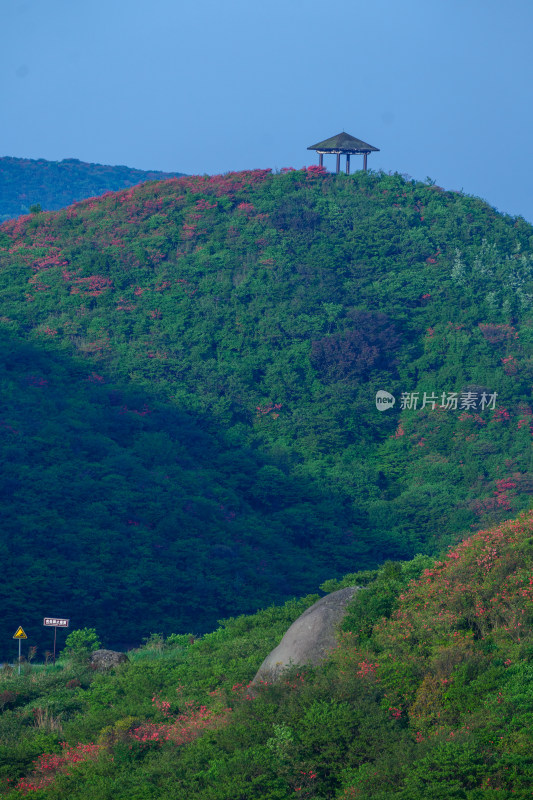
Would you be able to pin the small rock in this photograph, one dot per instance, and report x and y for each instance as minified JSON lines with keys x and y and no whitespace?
{"x":105,"y":659}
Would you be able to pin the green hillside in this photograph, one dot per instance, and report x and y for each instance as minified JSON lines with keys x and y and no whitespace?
{"x":190,"y":369}
{"x":428,"y":696}
{"x":27,"y":182}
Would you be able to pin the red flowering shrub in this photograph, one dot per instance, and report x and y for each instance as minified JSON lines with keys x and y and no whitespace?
{"x":48,"y":765}
{"x":480,"y":588}
{"x":494,"y":334}
{"x":181,"y":729}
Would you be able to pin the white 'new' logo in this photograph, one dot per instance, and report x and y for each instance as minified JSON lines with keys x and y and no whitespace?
{"x":384,"y":400}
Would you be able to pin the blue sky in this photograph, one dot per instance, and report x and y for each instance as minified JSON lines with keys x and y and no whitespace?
{"x":442,"y":87}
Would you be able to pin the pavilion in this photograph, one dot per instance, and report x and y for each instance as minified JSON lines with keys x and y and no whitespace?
{"x":346,"y":144}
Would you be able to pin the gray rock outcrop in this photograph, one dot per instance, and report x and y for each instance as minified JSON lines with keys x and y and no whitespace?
{"x":310,"y":638}
{"x":105,"y":659}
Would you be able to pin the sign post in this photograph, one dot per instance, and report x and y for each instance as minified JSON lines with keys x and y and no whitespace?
{"x":56,"y":623}
{"x":20,"y":635}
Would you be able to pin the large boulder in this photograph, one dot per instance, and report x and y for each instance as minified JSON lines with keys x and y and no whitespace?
{"x":105,"y":659}
{"x":310,"y":638}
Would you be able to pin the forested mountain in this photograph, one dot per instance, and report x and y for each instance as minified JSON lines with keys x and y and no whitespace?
{"x":189,"y":377}
{"x":27,"y":182}
{"x":429,"y":696}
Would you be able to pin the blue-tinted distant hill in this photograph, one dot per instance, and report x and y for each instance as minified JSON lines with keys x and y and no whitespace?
{"x":25,"y":182}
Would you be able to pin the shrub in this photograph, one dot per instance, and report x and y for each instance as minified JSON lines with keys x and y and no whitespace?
{"x":80,"y":644}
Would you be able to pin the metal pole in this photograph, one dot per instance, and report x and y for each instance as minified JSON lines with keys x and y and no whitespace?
{"x":20,"y":642}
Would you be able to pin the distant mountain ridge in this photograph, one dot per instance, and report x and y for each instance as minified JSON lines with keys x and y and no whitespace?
{"x":25,"y":182}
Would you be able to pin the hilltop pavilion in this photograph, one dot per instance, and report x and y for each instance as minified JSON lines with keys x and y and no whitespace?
{"x":346,"y":144}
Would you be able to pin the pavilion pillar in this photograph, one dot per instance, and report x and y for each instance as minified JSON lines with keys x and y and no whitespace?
{"x":347,"y":163}
{"x":364,"y":160}
{"x":338,"y":163}
{"x":321,"y":159}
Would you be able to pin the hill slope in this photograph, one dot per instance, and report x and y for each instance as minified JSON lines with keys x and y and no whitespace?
{"x":429,"y":695}
{"x":191,"y":379}
{"x":25,"y":182}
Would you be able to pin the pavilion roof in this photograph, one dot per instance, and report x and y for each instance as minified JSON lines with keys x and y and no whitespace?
{"x":343,"y":142}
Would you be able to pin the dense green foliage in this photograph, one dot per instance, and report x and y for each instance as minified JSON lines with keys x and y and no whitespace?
{"x":428,"y":696}
{"x":26,"y":182}
{"x":189,"y":430}
{"x":122,"y":520}
{"x":188,"y":418}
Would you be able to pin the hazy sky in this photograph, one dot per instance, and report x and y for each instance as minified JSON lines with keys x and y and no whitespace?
{"x":442,"y":87}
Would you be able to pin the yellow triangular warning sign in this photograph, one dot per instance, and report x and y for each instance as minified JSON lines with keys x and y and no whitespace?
{"x":20,"y":633}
